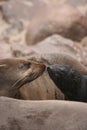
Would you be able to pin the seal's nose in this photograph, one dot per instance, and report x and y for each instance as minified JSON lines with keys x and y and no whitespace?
{"x":40,"y":66}
{"x":43,"y":66}
{"x":49,"y":68}
{"x":50,"y":71}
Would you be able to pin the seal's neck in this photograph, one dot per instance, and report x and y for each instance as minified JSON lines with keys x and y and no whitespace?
{"x":82,"y":93}
{"x":8,"y":93}
{"x":70,"y":88}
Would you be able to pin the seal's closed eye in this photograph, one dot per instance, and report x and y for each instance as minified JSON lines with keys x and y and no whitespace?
{"x":24,"y":66}
{"x":27,"y":65}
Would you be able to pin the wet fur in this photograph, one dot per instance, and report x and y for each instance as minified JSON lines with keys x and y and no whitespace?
{"x":71,"y":82}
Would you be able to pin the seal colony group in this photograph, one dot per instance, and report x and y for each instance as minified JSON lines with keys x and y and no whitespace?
{"x":68,"y":115}
{"x":75,"y":86}
{"x":43,"y":88}
{"x":67,"y":81}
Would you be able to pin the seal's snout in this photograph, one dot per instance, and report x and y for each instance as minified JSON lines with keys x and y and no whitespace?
{"x":50,"y":70}
{"x":43,"y":67}
{"x":50,"y":67}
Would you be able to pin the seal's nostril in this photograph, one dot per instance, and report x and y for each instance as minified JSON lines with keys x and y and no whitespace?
{"x":50,"y":71}
{"x":49,"y":68}
{"x":44,"y":67}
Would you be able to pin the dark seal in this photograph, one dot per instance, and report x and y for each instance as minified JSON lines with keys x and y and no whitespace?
{"x":70,"y":81}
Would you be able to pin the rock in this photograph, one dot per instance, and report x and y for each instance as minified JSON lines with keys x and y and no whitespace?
{"x":21,"y":50}
{"x":52,"y":44}
{"x":84,"y":41}
{"x":83,"y":9}
{"x":3,"y":1}
{"x":5,"y":50}
{"x":31,"y":7}
{"x":58,"y":44}
{"x":14,"y":32}
{"x":22,"y":10}
{"x":63,"y":19}
{"x":79,"y":4}
{"x":42,"y":115}
{"x":84,"y":49}
{"x":76,"y":2}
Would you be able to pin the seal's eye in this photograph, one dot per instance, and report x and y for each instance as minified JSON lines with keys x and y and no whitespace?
{"x":25,"y":66}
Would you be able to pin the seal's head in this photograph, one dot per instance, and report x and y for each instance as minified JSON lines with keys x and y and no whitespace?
{"x":16,"y":72}
{"x":66,"y":78}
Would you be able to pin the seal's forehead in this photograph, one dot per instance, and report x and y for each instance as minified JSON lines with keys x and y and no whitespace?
{"x":62,"y":67}
{"x":17,"y":63}
{"x":12,"y":61}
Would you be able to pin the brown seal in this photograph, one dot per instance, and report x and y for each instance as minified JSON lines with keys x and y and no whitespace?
{"x":16,"y":72}
{"x":41,"y":88}
{"x":42,"y":115}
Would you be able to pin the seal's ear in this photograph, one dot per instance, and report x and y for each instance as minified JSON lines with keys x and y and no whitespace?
{"x":3,"y":65}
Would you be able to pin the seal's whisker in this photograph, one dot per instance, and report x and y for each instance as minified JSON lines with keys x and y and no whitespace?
{"x":16,"y":83}
{"x":22,"y":80}
{"x":3,"y":65}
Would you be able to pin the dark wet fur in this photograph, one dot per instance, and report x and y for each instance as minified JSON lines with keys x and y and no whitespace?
{"x":70,"y":82}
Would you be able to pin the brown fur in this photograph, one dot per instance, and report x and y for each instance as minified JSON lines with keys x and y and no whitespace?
{"x":42,"y":88}
{"x":42,"y":115}
{"x":16,"y":72}
{"x":60,"y":58}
